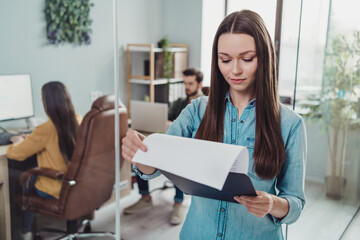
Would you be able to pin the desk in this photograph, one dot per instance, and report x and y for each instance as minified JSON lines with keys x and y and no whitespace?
{"x":5,"y":221}
{"x":5,"y":215}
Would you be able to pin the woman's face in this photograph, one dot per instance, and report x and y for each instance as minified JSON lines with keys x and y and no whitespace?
{"x":237,"y":62}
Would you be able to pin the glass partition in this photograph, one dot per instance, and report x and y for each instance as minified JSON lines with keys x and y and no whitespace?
{"x":326,"y":94}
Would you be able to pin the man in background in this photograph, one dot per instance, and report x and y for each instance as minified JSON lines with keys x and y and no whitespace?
{"x":193,"y":85}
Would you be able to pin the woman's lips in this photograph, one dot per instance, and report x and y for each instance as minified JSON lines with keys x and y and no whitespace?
{"x":237,"y":80}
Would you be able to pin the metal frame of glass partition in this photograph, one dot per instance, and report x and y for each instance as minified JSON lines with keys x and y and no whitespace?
{"x":117,"y":125}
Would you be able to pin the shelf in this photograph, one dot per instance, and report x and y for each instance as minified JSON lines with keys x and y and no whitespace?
{"x":134,"y":47}
{"x":156,"y":81}
{"x":153,"y":73}
{"x":156,"y":49}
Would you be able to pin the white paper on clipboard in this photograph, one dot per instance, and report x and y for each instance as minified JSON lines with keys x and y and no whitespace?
{"x":205,"y":162}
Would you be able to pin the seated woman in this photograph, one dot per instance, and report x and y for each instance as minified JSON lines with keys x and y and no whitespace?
{"x":53,"y":143}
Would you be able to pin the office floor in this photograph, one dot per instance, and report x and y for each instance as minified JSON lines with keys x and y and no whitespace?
{"x":149,"y":225}
{"x":321,"y":219}
{"x":353,"y":232}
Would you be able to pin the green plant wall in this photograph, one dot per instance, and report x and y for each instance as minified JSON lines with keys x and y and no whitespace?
{"x":68,"y":21}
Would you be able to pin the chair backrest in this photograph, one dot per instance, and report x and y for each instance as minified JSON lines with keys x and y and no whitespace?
{"x":205,"y":90}
{"x":92,"y":165}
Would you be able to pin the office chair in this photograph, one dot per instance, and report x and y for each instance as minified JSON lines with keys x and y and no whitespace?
{"x":90,"y":178}
{"x":205,"y":90}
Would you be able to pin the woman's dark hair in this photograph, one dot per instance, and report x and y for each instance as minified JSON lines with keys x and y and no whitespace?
{"x":269,"y":152}
{"x":59,"y":108}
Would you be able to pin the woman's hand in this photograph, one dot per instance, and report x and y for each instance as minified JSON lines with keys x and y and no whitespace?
{"x":130,"y":144}
{"x":18,"y":138}
{"x":264,"y":203}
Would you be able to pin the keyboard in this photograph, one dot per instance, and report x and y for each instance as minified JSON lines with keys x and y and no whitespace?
{"x":5,"y":138}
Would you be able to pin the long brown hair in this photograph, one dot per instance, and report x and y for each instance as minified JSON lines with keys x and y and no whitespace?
{"x":269,"y":152}
{"x":59,"y":108}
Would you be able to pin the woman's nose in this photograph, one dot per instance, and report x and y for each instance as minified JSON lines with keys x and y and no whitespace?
{"x":237,"y":69}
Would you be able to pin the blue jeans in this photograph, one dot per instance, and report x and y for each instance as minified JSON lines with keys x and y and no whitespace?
{"x":28,"y":217}
{"x":144,"y":190}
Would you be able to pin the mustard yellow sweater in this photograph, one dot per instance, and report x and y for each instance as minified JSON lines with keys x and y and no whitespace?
{"x":43,"y":142}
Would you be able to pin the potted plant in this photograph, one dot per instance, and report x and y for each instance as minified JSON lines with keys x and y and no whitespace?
{"x":168,"y":64}
{"x":338,"y":108}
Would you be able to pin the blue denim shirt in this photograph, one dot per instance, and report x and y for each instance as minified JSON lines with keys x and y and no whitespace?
{"x":214,"y":219}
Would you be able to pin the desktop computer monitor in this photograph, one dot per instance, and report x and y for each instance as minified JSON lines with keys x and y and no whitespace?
{"x":16,"y":99}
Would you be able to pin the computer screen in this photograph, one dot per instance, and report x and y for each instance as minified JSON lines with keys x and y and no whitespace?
{"x":16,"y":99}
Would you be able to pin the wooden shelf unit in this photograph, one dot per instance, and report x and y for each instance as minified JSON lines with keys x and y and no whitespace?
{"x":150,"y":79}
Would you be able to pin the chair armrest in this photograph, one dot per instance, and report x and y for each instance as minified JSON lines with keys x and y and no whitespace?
{"x":46,"y":172}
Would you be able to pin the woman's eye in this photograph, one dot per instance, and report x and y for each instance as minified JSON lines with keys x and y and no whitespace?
{"x":225,"y":60}
{"x":248,"y":59}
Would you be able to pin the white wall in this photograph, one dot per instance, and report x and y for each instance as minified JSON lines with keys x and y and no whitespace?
{"x":140,"y":22}
{"x":182,"y":23}
{"x":83,"y":69}
{"x":213,"y":12}
{"x":87,"y":68}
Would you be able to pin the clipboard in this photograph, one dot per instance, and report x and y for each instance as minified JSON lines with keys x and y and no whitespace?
{"x":236,"y":184}
{"x":223,"y":166}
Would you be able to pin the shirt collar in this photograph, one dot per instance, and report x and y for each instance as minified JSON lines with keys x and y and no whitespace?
{"x":252,"y":103}
{"x":227,"y":96}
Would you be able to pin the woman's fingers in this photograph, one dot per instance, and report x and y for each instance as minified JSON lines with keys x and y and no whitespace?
{"x":259,"y":205}
{"x":135,"y":140}
{"x":131,"y":143}
{"x":128,"y":154}
{"x":128,"y":157}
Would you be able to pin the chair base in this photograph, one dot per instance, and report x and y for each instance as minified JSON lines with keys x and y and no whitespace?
{"x":75,"y":236}
{"x":72,"y":231}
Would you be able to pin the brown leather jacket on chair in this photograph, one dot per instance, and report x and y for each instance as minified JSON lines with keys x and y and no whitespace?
{"x":90,"y":178}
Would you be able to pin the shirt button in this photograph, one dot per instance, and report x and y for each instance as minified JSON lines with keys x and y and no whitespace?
{"x":219,"y":234}
{"x":233,"y":141}
{"x":223,"y":209}
{"x":241,"y":121}
{"x":233,"y":119}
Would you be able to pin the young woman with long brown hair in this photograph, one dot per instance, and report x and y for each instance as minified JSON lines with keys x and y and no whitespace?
{"x":53,"y":143}
{"x":243,"y":108}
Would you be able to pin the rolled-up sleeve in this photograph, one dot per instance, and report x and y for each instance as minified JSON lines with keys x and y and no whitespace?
{"x":144,"y":176}
{"x":291,"y":179}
